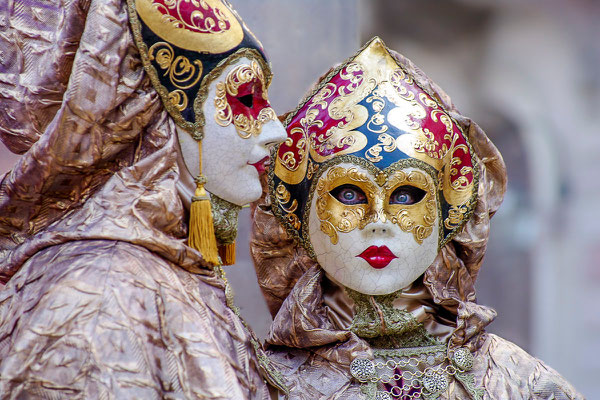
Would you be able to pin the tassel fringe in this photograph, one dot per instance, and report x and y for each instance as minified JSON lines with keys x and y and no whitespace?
{"x":201,"y":229}
{"x":227,"y":253}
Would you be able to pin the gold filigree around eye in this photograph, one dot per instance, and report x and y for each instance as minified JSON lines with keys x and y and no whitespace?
{"x":417,"y":218}
{"x":334,"y":216}
{"x":245,"y":125}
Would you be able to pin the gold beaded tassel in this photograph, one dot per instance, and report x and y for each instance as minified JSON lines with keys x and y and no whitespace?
{"x":227,"y":253}
{"x":201,"y":229}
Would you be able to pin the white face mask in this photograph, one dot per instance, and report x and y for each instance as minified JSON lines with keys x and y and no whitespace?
{"x":240,"y":127}
{"x":371,"y":234}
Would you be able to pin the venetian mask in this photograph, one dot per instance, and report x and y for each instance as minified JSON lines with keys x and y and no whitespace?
{"x":375,"y":175}
{"x":211,"y":73}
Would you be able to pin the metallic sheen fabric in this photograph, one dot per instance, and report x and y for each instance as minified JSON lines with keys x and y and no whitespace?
{"x":310,"y":342}
{"x":101,"y":297}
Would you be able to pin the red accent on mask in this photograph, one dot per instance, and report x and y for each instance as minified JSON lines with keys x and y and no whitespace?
{"x":317,"y":133}
{"x":206,"y":20}
{"x":254,"y":89}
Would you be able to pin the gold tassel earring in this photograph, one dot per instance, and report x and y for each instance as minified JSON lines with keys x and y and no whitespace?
{"x":201,"y":229}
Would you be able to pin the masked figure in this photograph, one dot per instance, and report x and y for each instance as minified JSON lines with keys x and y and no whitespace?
{"x":384,"y":192}
{"x":127,"y":112}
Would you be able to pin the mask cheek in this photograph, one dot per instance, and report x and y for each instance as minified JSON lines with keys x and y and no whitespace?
{"x":338,"y":259}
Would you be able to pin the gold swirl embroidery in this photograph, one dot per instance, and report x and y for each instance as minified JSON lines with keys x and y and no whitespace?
{"x":283,"y":197}
{"x":386,"y":143}
{"x":376,"y":124}
{"x":178,"y":99}
{"x":182,"y":73}
{"x":348,"y":75}
{"x":456,"y":215}
{"x":288,"y":159}
{"x":245,"y":126}
{"x":396,"y":77}
{"x":311,"y":169}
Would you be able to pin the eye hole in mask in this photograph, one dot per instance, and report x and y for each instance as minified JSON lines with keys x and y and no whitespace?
{"x":247,"y":100}
{"x":349,"y":194}
{"x":407,"y":195}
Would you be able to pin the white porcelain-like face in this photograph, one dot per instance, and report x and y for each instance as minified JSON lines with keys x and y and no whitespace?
{"x":240,"y":127}
{"x":374,"y":234}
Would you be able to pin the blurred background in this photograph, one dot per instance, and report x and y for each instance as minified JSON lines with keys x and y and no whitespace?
{"x":528,"y":72}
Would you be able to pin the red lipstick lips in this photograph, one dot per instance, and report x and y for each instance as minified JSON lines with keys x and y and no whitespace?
{"x":260,"y":165}
{"x":377,"y":256}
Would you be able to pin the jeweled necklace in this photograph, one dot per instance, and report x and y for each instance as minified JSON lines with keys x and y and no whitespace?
{"x":408,"y":362}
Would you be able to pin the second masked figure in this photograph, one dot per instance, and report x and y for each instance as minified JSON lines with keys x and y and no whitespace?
{"x":383,"y":193}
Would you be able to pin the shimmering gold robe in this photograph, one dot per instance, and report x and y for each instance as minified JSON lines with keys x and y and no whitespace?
{"x":102,"y":298}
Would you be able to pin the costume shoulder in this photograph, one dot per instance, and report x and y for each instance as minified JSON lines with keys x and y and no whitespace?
{"x":106,"y":318}
{"x":508,"y":372}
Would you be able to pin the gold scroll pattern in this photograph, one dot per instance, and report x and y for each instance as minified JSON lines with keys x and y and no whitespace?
{"x":215,"y":24}
{"x":182,"y":73}
{"x":206,"y":26}
{"x":283,"y":198}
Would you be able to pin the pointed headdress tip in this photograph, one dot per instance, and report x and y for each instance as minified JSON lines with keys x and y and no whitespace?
{"x":374,"y":47}
{"x":375,"y":43}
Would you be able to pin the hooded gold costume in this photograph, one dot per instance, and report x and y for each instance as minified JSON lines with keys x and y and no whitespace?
{"x":101,"y":296}
{"x":379,"y":112}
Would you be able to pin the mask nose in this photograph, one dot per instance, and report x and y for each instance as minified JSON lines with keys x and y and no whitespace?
{"x":272,"y":133}
{"x":378,"y":228}
{"x":380,"y":225}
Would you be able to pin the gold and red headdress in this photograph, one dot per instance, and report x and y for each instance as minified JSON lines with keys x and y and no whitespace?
{"x":184,"y":45}
{"x":371,"y":111}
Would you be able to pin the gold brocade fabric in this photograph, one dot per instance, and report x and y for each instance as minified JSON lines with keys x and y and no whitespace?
{"x":309,"y":340}
{"x":100,"y":295}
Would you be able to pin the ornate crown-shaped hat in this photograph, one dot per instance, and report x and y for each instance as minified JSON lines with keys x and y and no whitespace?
{"x":371,"y":111}
{"x":184,"y":44}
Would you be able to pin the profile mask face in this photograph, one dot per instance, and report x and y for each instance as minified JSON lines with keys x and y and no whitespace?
{"x":375,"y":176}
{"x":212,"y":75}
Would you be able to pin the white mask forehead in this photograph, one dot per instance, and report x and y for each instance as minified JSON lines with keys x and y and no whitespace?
{"x":411,"y":253}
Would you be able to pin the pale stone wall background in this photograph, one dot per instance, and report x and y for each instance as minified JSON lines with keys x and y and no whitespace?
{"x":528,"y":71}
